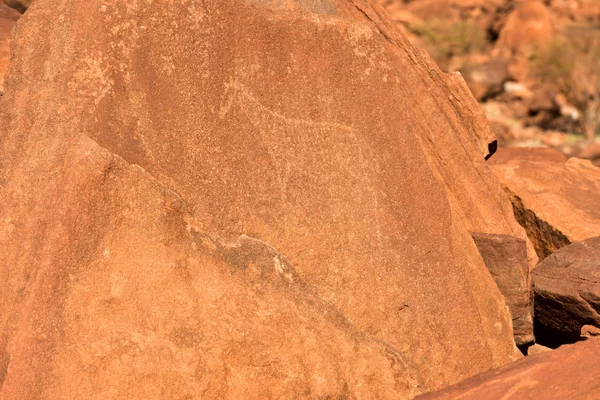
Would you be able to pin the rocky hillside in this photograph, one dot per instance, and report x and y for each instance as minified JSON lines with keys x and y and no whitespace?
{"x":532,"y":64}
{"x":253,"y":199}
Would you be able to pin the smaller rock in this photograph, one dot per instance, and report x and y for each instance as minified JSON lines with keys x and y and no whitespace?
{"x":528,"y":25}
{"x":567,"y":294}
{"x":591,"y":152}
{"x":486,"y":79}
{"x":517,"y":90}
{"x":589,"y":331}
{"x":506,"y":258}
{"x":543,"y":99}
{"x":537,"y":349}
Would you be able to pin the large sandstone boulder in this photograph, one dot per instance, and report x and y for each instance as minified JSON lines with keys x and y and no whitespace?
{"x":570,"y":372}
{"x":313,"y":126}
{"x":567,"y":292}
{"x":114,"y":292}
{"x":555,"y":200}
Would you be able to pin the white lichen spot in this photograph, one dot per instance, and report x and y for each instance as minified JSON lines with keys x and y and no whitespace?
{"x":289,"y":277}
{"x":279,"y":267}
{"x":106,"y":253}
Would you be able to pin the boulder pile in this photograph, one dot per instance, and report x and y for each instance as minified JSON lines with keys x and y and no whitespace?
{"x":533,"y":64}
{"x":555,"y":199}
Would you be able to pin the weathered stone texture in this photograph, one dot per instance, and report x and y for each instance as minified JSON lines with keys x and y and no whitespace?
{"x":310,"y":131}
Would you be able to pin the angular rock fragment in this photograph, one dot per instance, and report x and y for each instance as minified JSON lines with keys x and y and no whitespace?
{"x":506,"y":259}
{"x":537,"y":349}
{"x":589,"y":331}
{"x":567,"y":292}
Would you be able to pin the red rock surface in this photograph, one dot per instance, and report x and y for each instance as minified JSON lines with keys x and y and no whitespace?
{"x":571,"y":372}
{"x":567,"y":291}
{"x":556,"y":201}
{"x":329,"y":137}
{"x":115,"y":293}
{"x":589,"y":331}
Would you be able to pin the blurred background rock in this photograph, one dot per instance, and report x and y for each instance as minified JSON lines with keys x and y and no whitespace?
{"x":533,"y":65}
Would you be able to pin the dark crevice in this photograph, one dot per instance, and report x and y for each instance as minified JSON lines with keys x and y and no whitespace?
{"x":559,"y":318}
{"x":545,"y":239}
{"x":492,"y":35}
{"x":524,"y":348}
{"x":17,"y":5}
{"x":550,"y":338}
{"x":492,"y":148}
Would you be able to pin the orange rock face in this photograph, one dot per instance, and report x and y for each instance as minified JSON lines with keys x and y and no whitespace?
{"x":570,"y":372}
{"x":126,"y":298}
{"x":312,"y":126}
{"x":557,"y":201}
